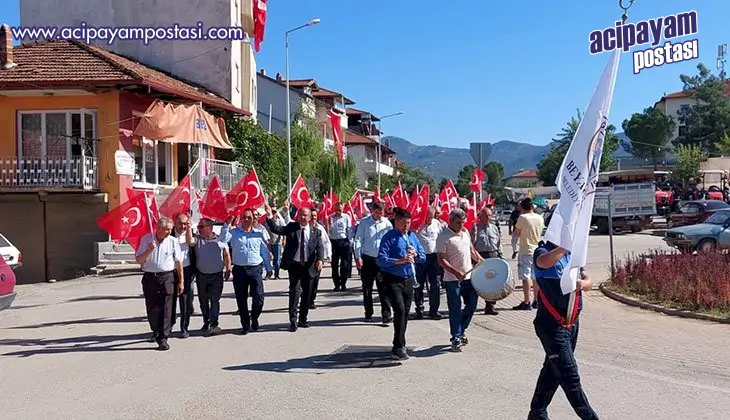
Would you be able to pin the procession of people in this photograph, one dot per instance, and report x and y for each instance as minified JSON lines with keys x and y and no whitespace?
{"x":400,"y":264}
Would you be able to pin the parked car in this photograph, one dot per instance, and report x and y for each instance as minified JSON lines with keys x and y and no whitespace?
{"x":10,"y":253}
{"x":7,"y":285}
{"x":503,"y":216}
{"x":693,"y":212}
{"x":712,"y":233}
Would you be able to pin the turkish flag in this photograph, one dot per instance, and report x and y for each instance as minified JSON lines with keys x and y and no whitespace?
{"x":214,"y":202}
{"x":347,"y":209}
{"x":476,"y":180}
{"x":400,"y":198}
{"x":419,"y":208}
{"x":336,"y":122}
{"x":299,"y":195}
{"x":179,"y":201}
{"x":246,"y":194}
{"x":259,"y":23}
{"x":471,"y":214}
{"x":151,"y":202}
{"x":358,"y":205}
{"x":448,"y":192}
{"x":131,"y":220}
{"x":389,"y":203}
{"x":376,"y":195}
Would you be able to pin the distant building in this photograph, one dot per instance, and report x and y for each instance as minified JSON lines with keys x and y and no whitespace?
{"x":524,"y":178}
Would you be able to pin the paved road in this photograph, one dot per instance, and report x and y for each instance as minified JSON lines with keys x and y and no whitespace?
{"x":76,"y":350}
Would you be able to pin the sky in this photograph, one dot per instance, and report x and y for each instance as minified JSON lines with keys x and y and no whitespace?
{"x":471,"y":71}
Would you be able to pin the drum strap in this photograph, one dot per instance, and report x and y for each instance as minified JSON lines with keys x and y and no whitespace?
{"x":565,"y":323}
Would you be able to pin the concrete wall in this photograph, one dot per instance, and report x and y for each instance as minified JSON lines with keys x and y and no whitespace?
{"x":55,"y":232}
{"x":272,"y":95}
{"x":210,"y":63}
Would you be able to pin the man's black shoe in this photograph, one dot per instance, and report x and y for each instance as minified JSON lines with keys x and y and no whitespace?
{"x":163,"y":346}
{"x":400,"y":354}
{"x":303,"y":324}
{"x":523,"y":306}
{"x":254,"y":325}
{"x":292,"y":327}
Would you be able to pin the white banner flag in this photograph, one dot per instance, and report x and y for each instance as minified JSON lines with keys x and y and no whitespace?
{"x":571,"y":223}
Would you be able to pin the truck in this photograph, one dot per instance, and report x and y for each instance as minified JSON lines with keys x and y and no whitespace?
{"x":633,"y":198}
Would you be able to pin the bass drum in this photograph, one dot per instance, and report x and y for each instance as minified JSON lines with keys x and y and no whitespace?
{"x":493,"y":280}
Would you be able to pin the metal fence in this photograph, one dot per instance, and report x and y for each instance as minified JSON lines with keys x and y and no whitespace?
{"x":77,"y":172}
{"x":203,"y":171}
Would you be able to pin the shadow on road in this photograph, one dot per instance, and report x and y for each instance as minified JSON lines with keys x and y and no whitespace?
{"x":347,"y":357}
{"x":105,"y":297}
{"x":130,"y":319}
{"x":93,"y":343}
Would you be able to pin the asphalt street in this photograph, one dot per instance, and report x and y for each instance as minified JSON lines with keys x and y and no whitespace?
{"x":78,"y":350}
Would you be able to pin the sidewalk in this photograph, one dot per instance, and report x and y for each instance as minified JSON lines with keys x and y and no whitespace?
{"x":78,"y":350}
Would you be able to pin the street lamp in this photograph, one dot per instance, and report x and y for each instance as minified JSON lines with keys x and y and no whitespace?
{"x":288,"y":102}
{"x":380,"y":140}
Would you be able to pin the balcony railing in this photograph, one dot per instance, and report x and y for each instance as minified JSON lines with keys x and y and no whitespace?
{"x":49,"y":172}
{"x":203,"y":171}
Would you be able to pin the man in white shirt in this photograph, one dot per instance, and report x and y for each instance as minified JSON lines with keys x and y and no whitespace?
{"x":455,"y":254}
{"x":365,"y":246}
{"x":340,"y":231}
{"x":427,"y":272}
{"x":161,"y":260}
{"x":185,"y":299}
{"x":327,"y":255}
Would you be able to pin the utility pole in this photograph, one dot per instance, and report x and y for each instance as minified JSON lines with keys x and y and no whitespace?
{"x":721,"y":52}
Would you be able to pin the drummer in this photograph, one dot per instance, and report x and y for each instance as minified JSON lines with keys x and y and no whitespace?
{"x":488,"y":243}
{"x":455,"y":254}
{"x":557,"y":334}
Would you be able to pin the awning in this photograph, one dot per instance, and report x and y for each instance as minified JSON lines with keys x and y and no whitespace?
{"x":182,"y":124}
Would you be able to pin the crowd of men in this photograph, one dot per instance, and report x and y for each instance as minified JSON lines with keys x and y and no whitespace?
{"x":402,"y":266}
{"x":396,"y":261}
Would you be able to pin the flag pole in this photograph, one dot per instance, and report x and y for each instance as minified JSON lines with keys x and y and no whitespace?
{"x":149,"y":211}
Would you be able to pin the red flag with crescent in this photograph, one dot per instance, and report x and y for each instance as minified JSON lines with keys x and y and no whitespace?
{"x":336,"y":122}
{"x":418,"y":207}
{"x":246,"y":194}
{"x":477,"y":178}
{"x":214,"y":202}
{"x":259,"y":23}
{"x":151,"y":202}
{"x":179,"y":201}
{"x":299,"y":195}
{"x":131,"y":220}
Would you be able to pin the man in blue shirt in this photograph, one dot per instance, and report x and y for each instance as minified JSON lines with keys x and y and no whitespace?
{"x":556,"y":326}
{"x":399,"y":251}
{"x":366,"y":245}
{"x":250,"y":255}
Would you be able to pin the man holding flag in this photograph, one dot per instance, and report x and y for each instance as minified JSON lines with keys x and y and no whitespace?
{"x":559,"y":259}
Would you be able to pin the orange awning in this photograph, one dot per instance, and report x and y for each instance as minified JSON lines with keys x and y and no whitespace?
{"x":182,"y":124}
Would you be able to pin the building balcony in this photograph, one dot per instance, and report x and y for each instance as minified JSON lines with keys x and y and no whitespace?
{"x":203,"y":171}
{"x":49,"y":173}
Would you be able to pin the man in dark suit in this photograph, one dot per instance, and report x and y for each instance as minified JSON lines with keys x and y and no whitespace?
{"x":302,"y":258}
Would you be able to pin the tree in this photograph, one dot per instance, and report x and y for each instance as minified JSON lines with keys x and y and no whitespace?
{"x":495,"y":173}
{"x":549,"y":165}
{"x":724,"y":145}
{"x":708,"y":119}
{"x":463,"y":180}
{"x":688,"y":163}
{"x":342,"y":179}
{"x":649,"y":132}
{"x":254,"y":147}
{"x":307,"y":146}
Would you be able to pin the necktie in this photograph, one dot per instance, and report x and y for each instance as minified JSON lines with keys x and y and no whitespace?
{"x":301,"y":247}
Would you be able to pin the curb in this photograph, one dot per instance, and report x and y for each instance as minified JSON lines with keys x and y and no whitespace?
{"x":626,"y":300}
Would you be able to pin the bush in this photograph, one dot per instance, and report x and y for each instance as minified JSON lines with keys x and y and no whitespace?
{"x":693,"y":282}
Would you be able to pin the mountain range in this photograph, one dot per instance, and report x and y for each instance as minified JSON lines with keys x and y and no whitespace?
{"x":446,"y":162}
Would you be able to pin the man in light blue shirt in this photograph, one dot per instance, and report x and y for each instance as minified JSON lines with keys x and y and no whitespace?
{"x":340,"y":231}
{"x":399,"y":251}
{"x":366,"y":245}
{"x":250,"y":255}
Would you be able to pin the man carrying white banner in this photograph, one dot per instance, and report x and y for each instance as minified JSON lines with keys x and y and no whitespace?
{"x":559,"y":259}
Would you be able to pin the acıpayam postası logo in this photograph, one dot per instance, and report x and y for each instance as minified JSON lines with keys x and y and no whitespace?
{"x":652,"y":31}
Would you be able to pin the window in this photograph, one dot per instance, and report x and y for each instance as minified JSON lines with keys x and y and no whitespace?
{"x":682,"y":130}
{"x":683,"y":108}
{"x":689,"y":209}
{"x":152,"y":162}
{"x":61,"y":134}
{"x":339,"y":105}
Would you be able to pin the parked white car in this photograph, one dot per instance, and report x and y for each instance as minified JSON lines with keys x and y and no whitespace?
{"x":10,"y":253}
